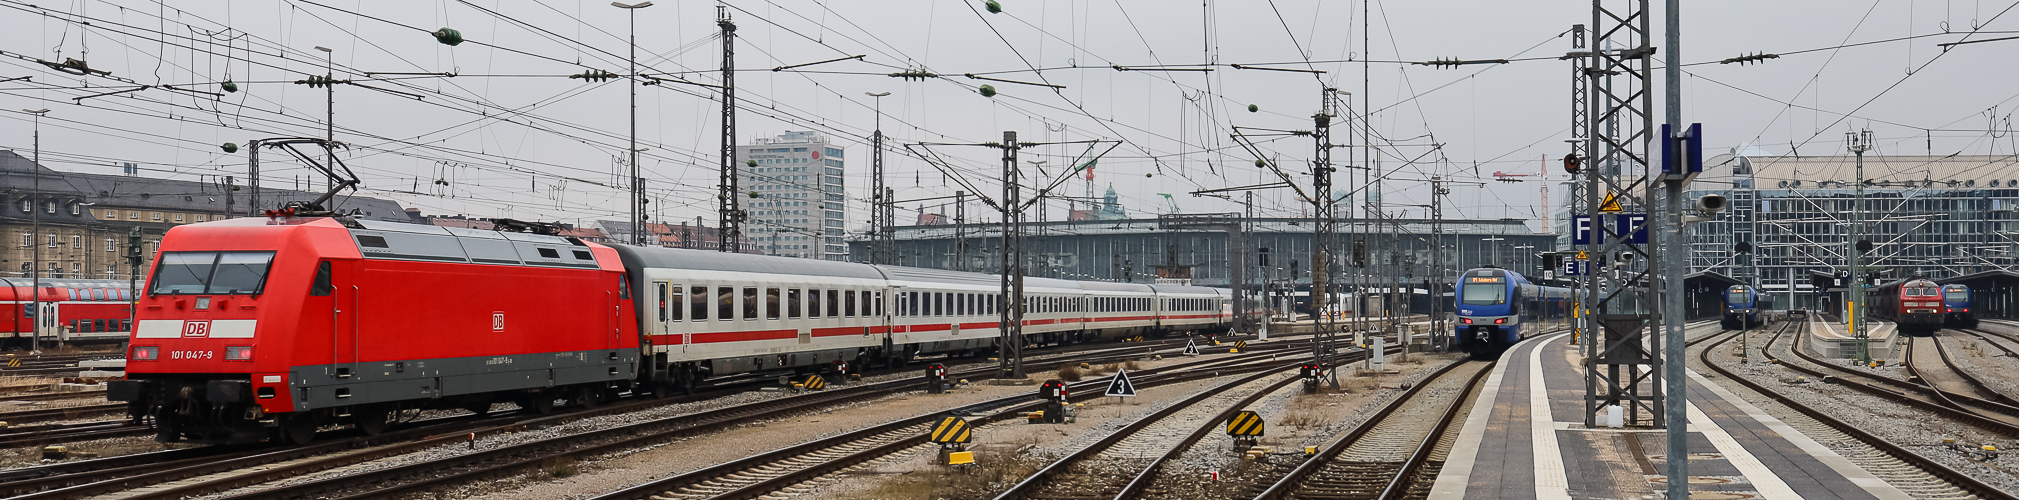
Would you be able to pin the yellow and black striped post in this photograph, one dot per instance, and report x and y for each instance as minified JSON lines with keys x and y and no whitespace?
{"x":952,"y":434}
{"x":14,"y":363}
{"x":815,"y":382}
{"x":1246,"y":427}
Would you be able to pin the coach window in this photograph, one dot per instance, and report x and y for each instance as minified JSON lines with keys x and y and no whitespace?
{"x":725,"y":303}
{"x":813,"y":302}
{"x":671,"y":302}
{"x":877,"y":299}
{"x":698,"y":303}
{"x":771,"y":303}
{"x":847,"y":303}
{"x":792,"y":303}
{"x":834,"y":303}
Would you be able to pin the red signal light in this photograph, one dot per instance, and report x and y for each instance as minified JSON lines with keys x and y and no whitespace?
{"x":146,"y":353}
{"x":1466,"y":320}
{"x":1499,"y":321}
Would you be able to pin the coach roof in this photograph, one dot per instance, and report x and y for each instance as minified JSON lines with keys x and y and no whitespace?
{"x":703,"y":260}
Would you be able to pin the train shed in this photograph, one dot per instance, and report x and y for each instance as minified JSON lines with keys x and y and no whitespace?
{"x":1991,"y":292}
{"x":1703,"y":293}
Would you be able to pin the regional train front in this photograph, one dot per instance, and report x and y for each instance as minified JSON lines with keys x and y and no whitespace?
{"x":1956,"y":307}
{"x":1742,"y":309}
{"x":1488,"y":319}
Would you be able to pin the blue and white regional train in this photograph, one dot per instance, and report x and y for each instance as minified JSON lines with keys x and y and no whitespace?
{"x":1498,"y":307}
{"x":1956,"y":307}
{"x":1742,"y":308}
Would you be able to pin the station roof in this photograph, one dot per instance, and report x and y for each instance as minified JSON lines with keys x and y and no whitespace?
{"x":1988,"y":279}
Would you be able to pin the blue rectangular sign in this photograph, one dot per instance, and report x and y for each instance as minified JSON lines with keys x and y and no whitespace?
{"x":1581,"y":231}
{"x":1632,"y":226}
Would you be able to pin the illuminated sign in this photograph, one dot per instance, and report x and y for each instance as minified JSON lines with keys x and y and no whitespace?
{"x":1482,"y":279}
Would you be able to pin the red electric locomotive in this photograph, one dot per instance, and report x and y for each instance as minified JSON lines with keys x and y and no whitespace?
{"x":1913,"y":304}
{"x":259,"y":327}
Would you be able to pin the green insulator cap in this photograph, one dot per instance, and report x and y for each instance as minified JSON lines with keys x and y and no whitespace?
{"x":753,"y":194}
{"x":994,"y":7}
{"x":449,"y":36}
{"x":1147,"y":174}
{"x":235,"y":188}
{"x":988,"y":91}
{"x":1261,"y":163}
{"x":228,"y":86}
{"x":752,"y":163}
{"x":1253,"y":108}
{"x":230,"y":147}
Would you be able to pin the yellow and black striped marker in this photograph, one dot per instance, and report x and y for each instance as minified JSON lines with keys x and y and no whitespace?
{"x":1245,"y":423}
{"x":815,"y":382}
{"x":14,"y":363}
{"x":1241,"y":344}
{"x":952,"y":430}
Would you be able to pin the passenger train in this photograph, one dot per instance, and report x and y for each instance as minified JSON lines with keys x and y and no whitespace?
{"x":1956,"y":307}
{"x":1744,"y":306}
{"x":1914,"y":304}
{"x":253,"y":329}
{"x":1498,"y":307}
{"x":73,"y":310}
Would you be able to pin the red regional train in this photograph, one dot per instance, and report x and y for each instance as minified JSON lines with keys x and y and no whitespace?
{"x":1913,"y":304}
{"x":252,"y":329}
{"x":75,"y":310}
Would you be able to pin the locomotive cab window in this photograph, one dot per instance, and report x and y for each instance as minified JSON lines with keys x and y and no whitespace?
{"x":321,"y":287}
{"x":219,"y":273}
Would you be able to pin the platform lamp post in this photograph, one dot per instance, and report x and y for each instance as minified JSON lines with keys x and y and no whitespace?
{"x":637,"y":183}
{"x":1859,"y":142}
{"x":35,"y":333}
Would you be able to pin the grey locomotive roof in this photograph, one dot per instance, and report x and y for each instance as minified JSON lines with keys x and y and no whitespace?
{"x":677,"y":258}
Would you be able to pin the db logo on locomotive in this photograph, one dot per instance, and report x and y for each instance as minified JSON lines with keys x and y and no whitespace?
{"x":196,"y":328}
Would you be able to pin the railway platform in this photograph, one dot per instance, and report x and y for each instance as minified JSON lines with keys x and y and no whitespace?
{"x":1525,"y":439}
{"x":1832,"y":339}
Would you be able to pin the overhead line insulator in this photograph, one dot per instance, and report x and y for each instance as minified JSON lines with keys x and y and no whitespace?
{"x":1757,"y":57}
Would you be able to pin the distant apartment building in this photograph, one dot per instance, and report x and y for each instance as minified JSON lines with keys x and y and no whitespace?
{"x":798,"y":208}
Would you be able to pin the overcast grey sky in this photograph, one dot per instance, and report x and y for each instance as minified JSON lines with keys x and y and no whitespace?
{"x":513,"y":137}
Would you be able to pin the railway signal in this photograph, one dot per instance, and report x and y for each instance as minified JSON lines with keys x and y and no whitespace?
{"x":1310,"y":374}
{"x":1054,"y":394}
{"x":935,"y":379}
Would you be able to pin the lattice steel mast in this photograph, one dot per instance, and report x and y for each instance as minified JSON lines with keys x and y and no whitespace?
{"x":729,"y":213}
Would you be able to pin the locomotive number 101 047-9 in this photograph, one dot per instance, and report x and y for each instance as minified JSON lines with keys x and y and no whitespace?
{"x":191,"y":354}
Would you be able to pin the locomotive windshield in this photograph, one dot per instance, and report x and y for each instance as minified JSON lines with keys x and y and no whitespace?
{"x":223,"y":273}
{"x":1484,"y":295}
{"x":1960,"y":295}
{"x":1736,"y":297}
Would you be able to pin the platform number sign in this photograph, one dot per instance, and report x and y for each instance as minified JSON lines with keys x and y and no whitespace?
{"x":196,"y":328}
{"x":498,"y":321}
{"x":1632,"y":226}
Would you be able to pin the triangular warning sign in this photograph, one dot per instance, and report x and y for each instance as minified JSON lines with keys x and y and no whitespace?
{"x":1582,"y":256}
{"x":1191,"y":349}
{"x":1611,"y":204}
{"x":1120,"y":386}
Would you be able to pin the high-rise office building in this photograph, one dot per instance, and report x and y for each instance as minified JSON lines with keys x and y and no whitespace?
{"x":798,"y":210}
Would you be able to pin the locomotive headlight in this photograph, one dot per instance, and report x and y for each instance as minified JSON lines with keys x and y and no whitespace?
{"x":238,"y":353}
{"x":146,"y":352}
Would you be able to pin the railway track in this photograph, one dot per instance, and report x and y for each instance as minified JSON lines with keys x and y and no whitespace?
{"x":217,"y":475}
{"x":1387,"y":455}
{"x":1102,"y":469}
{"x":1991,"y":416}
{"x":64,"y":433}
{"x":783,"y":469}
{"x":70,"y":413}
{"x":1911,"y":472}
{"x":1944,"y":373}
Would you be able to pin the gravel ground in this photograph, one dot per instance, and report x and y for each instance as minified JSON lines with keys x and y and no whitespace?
{"x":1983,"y":361}
{"x":618,"y":471}
{"x":1901,"y":425}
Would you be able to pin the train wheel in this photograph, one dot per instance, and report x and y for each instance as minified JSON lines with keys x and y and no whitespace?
{"x":371,"y":420}
{"x":297,"y":429}
{"x":590,"y":397}
{"x":538,"y":402}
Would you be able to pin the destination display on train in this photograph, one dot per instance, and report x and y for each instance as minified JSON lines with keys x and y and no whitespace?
{"x":1482,"y":279}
